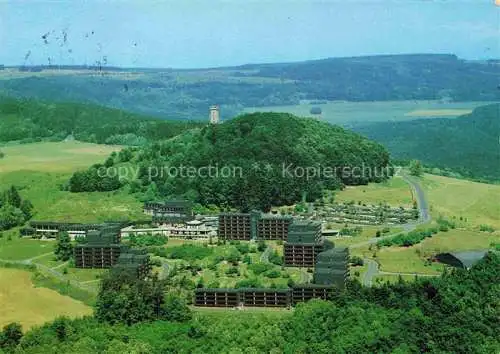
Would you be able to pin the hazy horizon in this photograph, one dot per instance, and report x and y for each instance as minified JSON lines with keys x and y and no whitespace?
{"x":196,"y":34}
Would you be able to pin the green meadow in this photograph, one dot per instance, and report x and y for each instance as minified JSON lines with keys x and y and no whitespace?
{"x":344,"y":112}
{"x":40,"y":171}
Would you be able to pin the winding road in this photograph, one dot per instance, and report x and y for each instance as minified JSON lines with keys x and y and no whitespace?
{"x":424,"y":217}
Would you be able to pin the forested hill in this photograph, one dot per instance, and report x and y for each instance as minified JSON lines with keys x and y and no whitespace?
{"x":269,"y":154}
{"x":390,"y":77}
{"x":187,"y":94}
{"x":30,"y":120}
{"x":468,"y":144}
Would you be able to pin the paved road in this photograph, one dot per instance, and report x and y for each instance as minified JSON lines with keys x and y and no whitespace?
{"x":424,"y":217}
{"x":370,"y":272}
{"x":423,"y":206}
{"x":423,"y":212}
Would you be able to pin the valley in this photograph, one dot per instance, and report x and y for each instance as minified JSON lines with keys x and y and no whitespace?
{"x":115,"y":235}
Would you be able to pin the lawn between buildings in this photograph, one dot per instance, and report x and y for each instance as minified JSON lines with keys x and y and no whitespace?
{"x":233,"y":264}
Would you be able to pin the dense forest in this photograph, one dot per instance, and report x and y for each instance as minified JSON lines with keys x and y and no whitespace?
{"x":455,"y":313}
{"x":29,"y":120}
{"x":467,"y":144}
{"x":186,"y":94}
{"x":253,"y":161}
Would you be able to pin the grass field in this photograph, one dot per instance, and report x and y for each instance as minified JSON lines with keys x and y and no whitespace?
{"x":413,"y":259}
{"x":394,"y":192}
{"x":477,"y":202}
{"x":39,"y":171}
{"x":53,"y":157}
{"x":364,"y":112}
{"x":30,"y":306}
{"x":368,"y":233}
{"x":422,"y":113}
{"x":18,"y":249}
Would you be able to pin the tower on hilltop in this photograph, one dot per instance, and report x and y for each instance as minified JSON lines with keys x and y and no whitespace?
{"x":214,"y":114}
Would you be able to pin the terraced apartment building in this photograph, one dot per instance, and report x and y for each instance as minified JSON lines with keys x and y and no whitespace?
{"x":303,"y":244}
{"x":136,"y":262}
{"x":253,"y":226}
{"x":101,"y":249}
{"x":332,"y":267}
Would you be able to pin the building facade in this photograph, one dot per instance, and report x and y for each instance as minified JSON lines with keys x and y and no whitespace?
{"x":253,"y":226}
{"x":135,"y":262}
{"x":332,"y":267}
{"x":101,"y":249}
{"x":235,"y":226}
{"x":303,"y":244}
{"x":170,"y":211}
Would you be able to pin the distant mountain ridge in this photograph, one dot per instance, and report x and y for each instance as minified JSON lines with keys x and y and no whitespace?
{"x":187,"y":93}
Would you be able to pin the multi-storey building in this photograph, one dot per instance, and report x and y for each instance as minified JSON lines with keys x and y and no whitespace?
{"x":303,"y":244}
{"x":100,"y":250}
{"x":273,"y":227}
{"x":332,"y":267}
{"x":135,"y":262}
{"x":170,"y":211}
{"x":252,"y":226}
{"x":235,"y":226}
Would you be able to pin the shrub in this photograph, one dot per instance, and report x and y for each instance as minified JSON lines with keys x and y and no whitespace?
{"x":273,"y":273}
{"x":356,"y":261}
{"x":259,"y":268}
{"x":486,"y":228}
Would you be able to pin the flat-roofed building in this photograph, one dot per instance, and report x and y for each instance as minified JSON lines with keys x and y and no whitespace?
{"x":235,"y":226}
{"x":50,"y":229}
{"x":273,"y":227}
{"x":253,"y":226}
{"x":192,"y":230}
{"x":332,"y":267}
{"x":170,"y":211}
{"x":134,"y":261}
{"x":100,"y":250}
{"x":303,"y":244}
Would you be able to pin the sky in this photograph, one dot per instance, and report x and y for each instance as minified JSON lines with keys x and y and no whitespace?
{"x":211,"y":33}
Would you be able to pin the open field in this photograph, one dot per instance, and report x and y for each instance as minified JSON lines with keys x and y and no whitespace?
{"x":365,"y":112}
{"x":39,"y":171}
{"x":43,"y":189}
{"x":23,"y":303}
{"x":477,"y":202}
{"x":395,"y":192}
{"x":366,"y":234}
{"x":18,"y":249}
{"x":53,"y":157}
{"x":413,"y":259}
{"x":422,"y":113}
